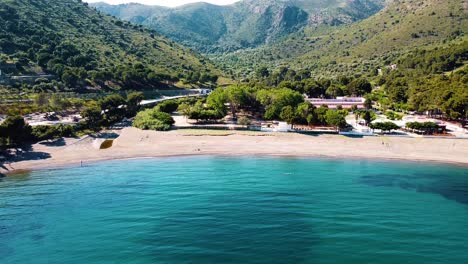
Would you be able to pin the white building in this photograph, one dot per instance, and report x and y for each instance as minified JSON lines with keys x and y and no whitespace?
{"x":345,"y":102}
{"x":276,"y":127}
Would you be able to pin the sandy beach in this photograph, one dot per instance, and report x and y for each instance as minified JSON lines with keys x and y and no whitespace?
{"x":134,"y":143}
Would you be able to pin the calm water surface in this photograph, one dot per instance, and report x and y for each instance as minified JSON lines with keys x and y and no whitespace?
{"x":236,"y":210}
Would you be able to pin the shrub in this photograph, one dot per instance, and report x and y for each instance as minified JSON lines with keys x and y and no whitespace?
{"x":45,"y":132}
{"x":163,"y":117}
{"x":205,"y":114}
{"x":244,"y":121}
{"x":168,"y":106}
{"x":426,"y":127}
{"x":384,"y":126}
{"x":335,"y":118}
{"x":15,"y":131}
{"x":150,"y":124}
{"x":153,"y":119}
{"x":393,"y":116}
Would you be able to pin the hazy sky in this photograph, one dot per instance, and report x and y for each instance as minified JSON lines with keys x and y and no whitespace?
{"x":165,"y":2}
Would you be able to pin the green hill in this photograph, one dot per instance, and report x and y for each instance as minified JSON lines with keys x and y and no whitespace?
{"x":362,"y":47}
{"x":210,"y":28}
{"x":84,"y":49}
{"x":414,"y":52}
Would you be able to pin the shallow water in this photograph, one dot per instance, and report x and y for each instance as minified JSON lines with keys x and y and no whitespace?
{"x":236,"y":210}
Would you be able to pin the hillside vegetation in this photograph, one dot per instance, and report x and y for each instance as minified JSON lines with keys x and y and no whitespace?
{"x":210,"y":28}
{"x":413,"y":52}
{"x":401,"y":27}
{"x":85,"y":49}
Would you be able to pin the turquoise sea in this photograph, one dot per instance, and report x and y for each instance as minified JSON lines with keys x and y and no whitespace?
{"x":236,"y":210}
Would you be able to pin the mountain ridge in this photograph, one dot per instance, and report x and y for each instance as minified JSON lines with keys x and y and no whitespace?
{"x":377,"y":41}
{"x":211,"y":28}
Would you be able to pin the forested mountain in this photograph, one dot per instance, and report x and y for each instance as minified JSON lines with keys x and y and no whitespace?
{"x":210,"y":28}
{"x":415,"y":53}
{"x":83,"y":48}
{"x":400,"y":28}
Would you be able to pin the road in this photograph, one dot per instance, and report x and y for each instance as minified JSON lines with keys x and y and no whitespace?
{"x":160,"y":100}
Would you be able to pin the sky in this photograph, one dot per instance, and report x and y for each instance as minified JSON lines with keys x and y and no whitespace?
{"x":170,"y":3}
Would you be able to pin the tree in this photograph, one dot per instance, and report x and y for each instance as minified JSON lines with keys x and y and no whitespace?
{"x":57,"y":103}
{"x":426,"y":127}
{"x":41,"y":100}
{"x":336,"y":119}
{"x":359,"y":87}
{"x":113,"y":107}
{"x":304,"y":74}
{"x":288,"y":114}
{"x":456,"y":107}
{"x":168,"y":106}
{"x":344,"y":80}
{"x":367,"y":116}
{"x":368,"y":104}
{"x":271,"y":112}
{"x":384,"y":126}
{"x":217,"y":100}
{"x":237,"y":98}
{"x":262,"y":72}
{"x":184,"y":109}
{"x":15,"y":130}
{"x":313,"y":89}
{"x":93,"y":117}
{"x":334,"y":91}
{"x":46,"y":132}
{"x":70,"y":78}
{"x":321,"y":114}
{"x":304,"y":112}
{"x":397,"y":90}
{"x":133,"y":102}
{"x":204,"y":114}
{"x":41,"y":133}
{"x":275,"y":99}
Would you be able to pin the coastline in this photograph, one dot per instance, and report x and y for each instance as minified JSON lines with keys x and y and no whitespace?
{"x":137,"y":144}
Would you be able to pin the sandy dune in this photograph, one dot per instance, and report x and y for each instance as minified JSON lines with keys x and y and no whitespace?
{"x":137,"y":143}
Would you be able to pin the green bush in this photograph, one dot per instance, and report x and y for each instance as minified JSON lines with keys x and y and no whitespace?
{"x":152,"y":119}
{"x":204,"y":114}
{"x":244,"y":121}
{"x":41,"y":133}
{"x":335,"y":118}
{"x":384,"y":126}
{"x":393,"y":116}
{"x":14,"y":131}
{"x":150,"y":124}
{"x":426,"y":127}
{"x":163,"y":117}
{"x":168,"y":106}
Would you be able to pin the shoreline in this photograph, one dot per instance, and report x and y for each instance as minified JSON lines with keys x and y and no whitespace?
{"x":138,"y":144}
{"x":271,"y":156}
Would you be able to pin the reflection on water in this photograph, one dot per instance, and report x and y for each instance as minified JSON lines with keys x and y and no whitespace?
{"x":236,"y":210}
{"x":263,"y":230}
{"x":448,"y":186}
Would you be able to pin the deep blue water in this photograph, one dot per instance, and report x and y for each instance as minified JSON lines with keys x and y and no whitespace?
{"x":236,"y":210}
